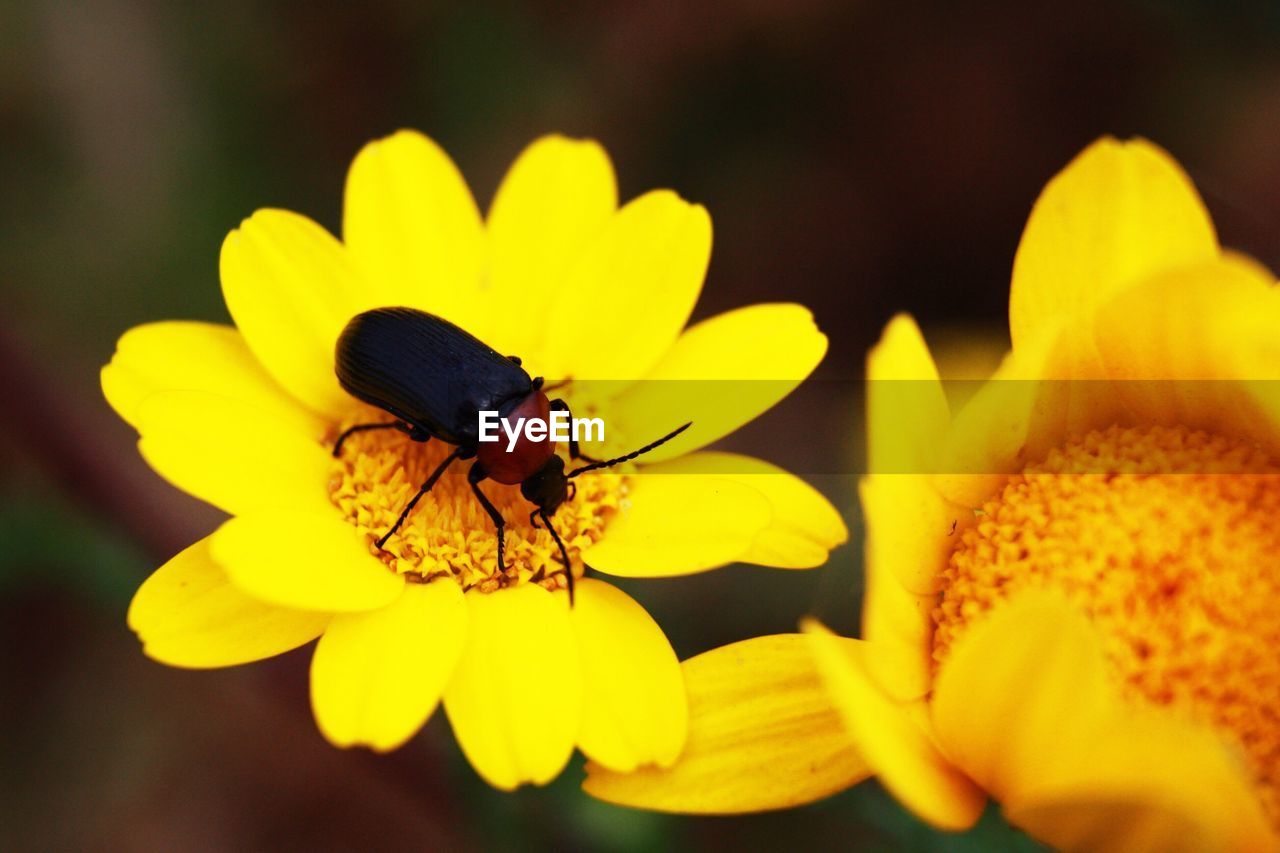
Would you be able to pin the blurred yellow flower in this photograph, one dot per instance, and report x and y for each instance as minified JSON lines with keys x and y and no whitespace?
{"x":1071,"y":585}
{"x":244,"y":418}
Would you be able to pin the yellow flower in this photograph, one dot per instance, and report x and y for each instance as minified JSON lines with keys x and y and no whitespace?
{"x":1071,"y":585}
{"x":244,"y":418}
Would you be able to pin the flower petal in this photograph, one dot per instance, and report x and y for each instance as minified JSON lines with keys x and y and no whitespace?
{"x":376,"y":677}
{"x":1027,"y":677}
{"x":1147,"y":784}
{"x":1205,"y":333}
{"x":307,"y":560}
{"x":625,"y":301}
{"x":291,"y":289}
{"x":1024,"y":705}
{"x":1118,"y":213}
{"x":910,"y":526}
{"x":909,"y":533}
{"x":680,"y":524}
{"x":720,"y":374}
{"x":1013,"y":418}
{"x":188,"y":614}
{"x":893,"y":738}
{"x":1116,"y":820}
{"x":414,"y":230}
{"x":558,"y":195}
{"x":190,"y":356}
{"x":1205,"y":354}
{"x":515,"y":701}
{"x":804,"y":526}
{"x":763,"y":734}
{"x":634,"y":708}
{"x":231,"y":454}
{"x":1202,"y":322}
{"x":907,"y":412}
{"x":911,"y":529}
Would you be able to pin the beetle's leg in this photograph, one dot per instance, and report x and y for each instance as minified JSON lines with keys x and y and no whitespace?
{"x":413,"y":432}
{"x":474,"y":476}
{"x":564,"y":553}
{"x":515,"y":359}
{"x":426,"y":487}
{"x":533,"y":519}
{"x":574,"y":452}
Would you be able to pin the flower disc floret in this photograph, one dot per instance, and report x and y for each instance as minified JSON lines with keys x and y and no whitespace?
{"x":1166,"y":538}
{"x":449,"y":534}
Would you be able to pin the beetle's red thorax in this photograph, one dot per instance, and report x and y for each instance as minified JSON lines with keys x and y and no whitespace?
{"x":528,"y":456}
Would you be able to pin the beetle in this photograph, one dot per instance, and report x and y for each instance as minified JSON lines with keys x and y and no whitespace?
{"x":435,"y":378}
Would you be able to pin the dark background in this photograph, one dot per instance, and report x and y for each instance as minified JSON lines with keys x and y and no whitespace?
{"x":858,"y":157}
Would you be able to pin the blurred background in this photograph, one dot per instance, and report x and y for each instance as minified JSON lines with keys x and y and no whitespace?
{"x":859,"y":157}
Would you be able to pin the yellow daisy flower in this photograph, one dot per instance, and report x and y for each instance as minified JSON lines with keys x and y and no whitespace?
{"x":1071,"y":591}
{"x":244,"y":418}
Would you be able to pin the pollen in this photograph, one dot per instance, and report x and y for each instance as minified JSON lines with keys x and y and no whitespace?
{"x":1168,"y":540}
{"x":449,"y":534}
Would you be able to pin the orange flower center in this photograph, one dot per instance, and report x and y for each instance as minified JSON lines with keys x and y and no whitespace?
{"x":449,"y":533}
{"x":1168,"y":539}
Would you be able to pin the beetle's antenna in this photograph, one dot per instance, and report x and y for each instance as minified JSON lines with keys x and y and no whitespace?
{"x":609,"y":463}
{"x":564,"y":554}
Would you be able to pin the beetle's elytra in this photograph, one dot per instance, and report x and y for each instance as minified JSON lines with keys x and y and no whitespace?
{"x":435,"y":379}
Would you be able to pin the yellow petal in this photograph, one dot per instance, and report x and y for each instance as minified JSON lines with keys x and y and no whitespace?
{"x":1025,"y":409}
{"x":1177,"y":348}
{"x":229,"y":453}
{"x":1030,"y":676}
{"x":893,"y":737}
{"x":376,"y":677}
{"x":763,"y":734}
{"x":625,"y":300}
{"x":1118,"y":213}
{"x":1204,"y":354}
{"x":721,"y":373}
{"x":1202,"y":322}
{"x":291,"y":289}
{"x":907,"y":412}
{"x":634,"y":710}
{"x":557,"y":197}
{"x":189,"y":356}
{"x":414,"y":230}
{"x":1024,"y":705}
{"x":515,"y":701}
{"x":1149,"y":783}
{"x":804,"y":526}
{"x":909,"y":533}
{"x":188,"y":614}
{"x":679,"y":524}
{"x":911,"y":529}
{"x":307,"y":560}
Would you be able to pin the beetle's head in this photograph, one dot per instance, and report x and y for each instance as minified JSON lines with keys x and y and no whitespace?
{"x":548,"y":487}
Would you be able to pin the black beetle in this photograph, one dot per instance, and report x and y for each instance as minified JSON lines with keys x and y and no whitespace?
{"x":436,"y":378}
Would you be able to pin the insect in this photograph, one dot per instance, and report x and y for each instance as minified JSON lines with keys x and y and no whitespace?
{"x":435,"y":379}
